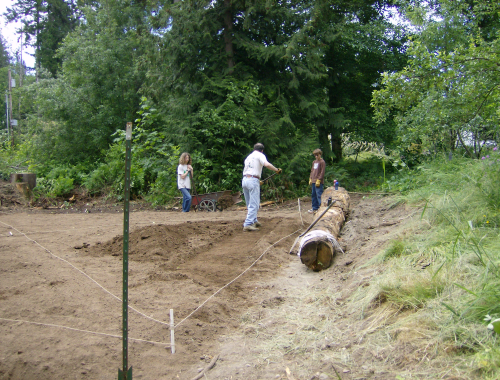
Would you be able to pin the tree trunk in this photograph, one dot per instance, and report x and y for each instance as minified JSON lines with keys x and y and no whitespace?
{"x":318,"y":246}
{"x":29,"y":178}
{"x":325,"y":145}
{"x":228,"y":36}
{"x":337,"y":147}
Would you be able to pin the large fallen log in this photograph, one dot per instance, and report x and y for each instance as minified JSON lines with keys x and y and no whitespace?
{"x":319,"y":245}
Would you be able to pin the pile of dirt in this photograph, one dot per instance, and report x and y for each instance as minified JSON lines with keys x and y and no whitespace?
{"x":168,"y":244}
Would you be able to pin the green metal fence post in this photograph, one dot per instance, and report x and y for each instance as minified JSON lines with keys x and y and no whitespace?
{"x":126,"y":374}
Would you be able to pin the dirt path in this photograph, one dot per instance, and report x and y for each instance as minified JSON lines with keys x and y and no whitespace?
{"x":258,"y":305}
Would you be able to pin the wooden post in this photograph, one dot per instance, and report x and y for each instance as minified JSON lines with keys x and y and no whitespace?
{"x":318,"y":247}
{"x":11,"y":130}
{"x":172,"y":331}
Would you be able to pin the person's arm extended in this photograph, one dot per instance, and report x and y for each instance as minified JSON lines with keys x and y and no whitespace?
{"x":270,"y":166}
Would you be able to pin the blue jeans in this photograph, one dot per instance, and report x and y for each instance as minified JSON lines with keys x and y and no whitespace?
{"x":316,"y":196}
{"x":186,"y":199}
{"x":251,"y":191}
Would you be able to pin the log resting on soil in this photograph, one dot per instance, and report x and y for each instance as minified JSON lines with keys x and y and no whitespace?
{"x":318,"y":246}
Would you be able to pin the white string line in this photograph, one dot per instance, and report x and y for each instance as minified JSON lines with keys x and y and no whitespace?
{"x":237,"y":277}
{"x":132,"y":308}
{"x":84,"y":331}
{"x":80,"y":228}
{"x":86,"y":275}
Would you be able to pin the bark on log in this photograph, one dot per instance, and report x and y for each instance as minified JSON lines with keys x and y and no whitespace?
{"x":319,"y":245}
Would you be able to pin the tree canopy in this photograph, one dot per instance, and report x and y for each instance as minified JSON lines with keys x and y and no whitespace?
{"x":215,"y":77}
{"x":5,"y":57}
{"x":448,"y":93}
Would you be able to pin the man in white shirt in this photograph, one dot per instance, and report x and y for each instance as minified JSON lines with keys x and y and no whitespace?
{"x":251,"y":185}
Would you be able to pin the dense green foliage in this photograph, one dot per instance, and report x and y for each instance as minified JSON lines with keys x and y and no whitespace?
{"x":208,"y":77}
{"x":4,"y":53}
{"x":214,"y":77}
{"x":448,"y":94}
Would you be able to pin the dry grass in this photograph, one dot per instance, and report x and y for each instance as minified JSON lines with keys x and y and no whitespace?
{"x":376,"y":340}
{"x":388,"y":322}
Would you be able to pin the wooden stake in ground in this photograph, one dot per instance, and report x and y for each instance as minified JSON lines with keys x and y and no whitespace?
{"x":318,"y":247}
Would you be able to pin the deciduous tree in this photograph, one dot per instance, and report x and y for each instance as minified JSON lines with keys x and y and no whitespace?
{"x":449,"y":91}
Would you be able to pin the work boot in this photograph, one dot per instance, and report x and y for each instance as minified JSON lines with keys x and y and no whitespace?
{"x":250,"y":228}
{"x":257,"y":224}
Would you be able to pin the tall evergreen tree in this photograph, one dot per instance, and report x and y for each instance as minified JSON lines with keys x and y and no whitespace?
{"x":45,"y":24}
{"x":30,"y":13}
{"x":359,"y":44}
{"x":61,"y":18}
{"x":313,"y":63}
{"x":235,"y":68}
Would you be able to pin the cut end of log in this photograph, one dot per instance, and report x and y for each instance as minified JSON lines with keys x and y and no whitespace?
{"x":317,"y":255}
{"x":317,"y":248}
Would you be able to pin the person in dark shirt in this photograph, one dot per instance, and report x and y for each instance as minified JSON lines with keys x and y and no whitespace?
{"x":317,"y":179}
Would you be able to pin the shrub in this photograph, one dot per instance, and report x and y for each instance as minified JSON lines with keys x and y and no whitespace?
{"x":53,"y":187}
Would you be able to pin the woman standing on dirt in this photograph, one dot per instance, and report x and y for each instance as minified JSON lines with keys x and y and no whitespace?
{"x":317,"y":179}
{"x":184,"y":175}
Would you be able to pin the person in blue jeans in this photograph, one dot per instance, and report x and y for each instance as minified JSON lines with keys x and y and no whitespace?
{"x":250,"y":183}
{"x":317,"y":180}
{"x":184,"y":175}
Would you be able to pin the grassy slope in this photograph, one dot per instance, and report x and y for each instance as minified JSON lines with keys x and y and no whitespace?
{"x":459,"y":235}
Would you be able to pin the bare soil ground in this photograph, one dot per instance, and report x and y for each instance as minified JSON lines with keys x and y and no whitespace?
{"x":238,"y":296}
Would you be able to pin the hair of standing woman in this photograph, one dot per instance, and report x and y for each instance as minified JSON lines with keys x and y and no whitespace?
{"x":185,"y":159}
